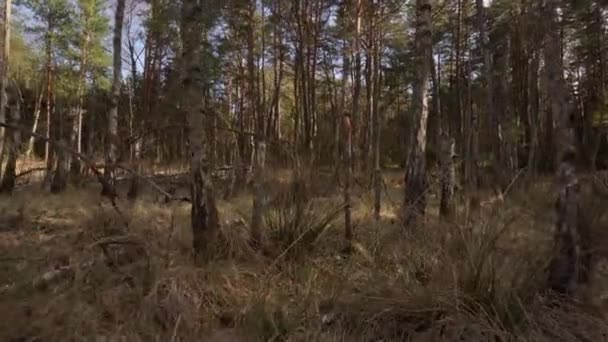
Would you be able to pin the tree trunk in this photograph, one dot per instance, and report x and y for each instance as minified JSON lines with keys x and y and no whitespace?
{"x":567,"y":267}
{"x":487,"y":68}
{"x":4,"y":77}
{"x":259,"y":138}
{"x":13,"y":142}
{"x":376,"y":122}
{"x":415,"y":177}
{"x":460,"y":121}
{"x":112,"y":129}
{"x":205,"y":220}
{"x":76,"y":138}
{"x":448,"y":176}
{"x":274,"y":122}
{"x":49,"y":98}
{"x":534,"y":108}
{"x":60,"y":177}
{"x":355,"y":121}
{"x":347,"y":170}
{"x":32,"y":139}
{"x":447,"y":144}
{"x":343,"y":103}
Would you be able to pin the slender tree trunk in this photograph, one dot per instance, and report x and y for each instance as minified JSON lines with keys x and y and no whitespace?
{"x":60,"y":177}
{"x":415,"y":177}
{"x":366,"y":141}
{"x":135,"y":145}
{"x":136,"y":142}
{"x":297,"y":111}
{"x":4,"y":77}
{"x":447,"y":146}
{"x":343,"y":101}
{"x":448,"y":176}
{"x":259,"y":139}
{"x":32,"y":139}
{"x":312,"y":84}
{"x":347,"y":170}
{"x":459,"y":133}
{"x":13,"y":143}
{"x":356,"y":125}
{"x":567,"y":267}
{"x":48,"y":158}
{"x":534,"y":108}
{"x":487,"y":69}
{"x":205,"y":220}
{"x":112,"y":130}
{"x":598,"y":133}
{"x":76,"y":138}
{"x":377,"y":174}
{"x":274,"y":123}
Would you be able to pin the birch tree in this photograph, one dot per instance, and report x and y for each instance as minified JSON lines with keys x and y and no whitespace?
{"x":112,"y":122}
{"x":204,"y":214}
{"x":414,"y":205}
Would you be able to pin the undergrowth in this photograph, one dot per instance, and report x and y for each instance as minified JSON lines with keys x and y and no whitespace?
{"x":132,"y":278}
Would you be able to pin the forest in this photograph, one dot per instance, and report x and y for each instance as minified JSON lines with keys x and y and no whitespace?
{"x":303,"y":170}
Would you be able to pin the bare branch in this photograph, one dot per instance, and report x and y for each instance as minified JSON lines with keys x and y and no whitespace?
{"x":90,"y":163}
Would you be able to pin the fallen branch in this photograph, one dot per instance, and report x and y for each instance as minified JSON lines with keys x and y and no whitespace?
{"x":52,"y":276}
{"x":90,"y":164}
{"x":117,"y":240}
{"x":27,"y":172}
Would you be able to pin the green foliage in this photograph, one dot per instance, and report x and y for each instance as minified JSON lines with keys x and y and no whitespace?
{"x":94,"y":28}
{"x":24,"y":61}
{"x":68,"y":30}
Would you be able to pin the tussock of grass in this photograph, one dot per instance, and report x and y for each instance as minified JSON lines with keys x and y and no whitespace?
{"x":134,"y":279}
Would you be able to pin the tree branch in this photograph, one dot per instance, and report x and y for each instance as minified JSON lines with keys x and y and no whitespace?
{"x":90,"y":163}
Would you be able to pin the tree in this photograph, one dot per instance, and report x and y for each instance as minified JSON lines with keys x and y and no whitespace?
{"x":13,"y":140}
{"x":376,"y":37}
{"x":112,"y":129}
{"x":255,"y":106}
{"x":4,"y":70}
{"x":347,"y":170}
{"x":566,"y":269}
{"x":415,"y":183}
{"x":205,"y":220}
{"x":53,"y":24}
{"x":93,"y":26}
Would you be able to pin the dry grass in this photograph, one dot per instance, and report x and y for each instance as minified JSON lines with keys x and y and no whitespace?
{"x":134,"y":280}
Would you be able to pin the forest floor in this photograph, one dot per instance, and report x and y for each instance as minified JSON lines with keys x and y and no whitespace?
{"x":73,"y":269}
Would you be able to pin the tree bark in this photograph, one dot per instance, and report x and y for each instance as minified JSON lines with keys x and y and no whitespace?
{"x":75,"y":166}
{"x":377,"y":175}
{"x":347,"y":170}
{"x":49,"y":96}
{"x":205,"y":220}
{"x":567,"y":267}
{"x":112,"y":129}
{"x":259,"y":138}
{"x":60,"y":177}
{"x":356,"y":113}
{"x":487,"y":66}
{"x":415,"y":177}
{"x":32,"y":139}
{"x":447,"y":148}
{"x":13,"y":142}
{"x":533,"y":110}
{"x":4,"y":77}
